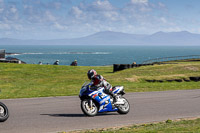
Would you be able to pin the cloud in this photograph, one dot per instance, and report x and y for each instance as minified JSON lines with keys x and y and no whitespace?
{"x":4,"y":26}
{"x":75,"y":20}
{"x":1,"y":10}
{"x":145,"y":2}
{"x":161,"y":5}
{"x":49,"y":16}
{"x":76,"y":12}
{"x":13,"y":9}
{"x":84,"y":18}
{"x":95,"y":12}
{"x":163,"y":20}
{"x":58,"y":26}
{"x":100,"y":6}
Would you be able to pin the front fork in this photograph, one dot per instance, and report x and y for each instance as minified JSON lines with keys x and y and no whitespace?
{"x":90,"y":103}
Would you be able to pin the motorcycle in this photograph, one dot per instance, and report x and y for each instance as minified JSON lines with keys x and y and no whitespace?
{"x":93,"y":102}
{"x":4,"y":114}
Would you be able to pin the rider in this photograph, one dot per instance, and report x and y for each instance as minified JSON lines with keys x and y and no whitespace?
{"x":98,"y":81}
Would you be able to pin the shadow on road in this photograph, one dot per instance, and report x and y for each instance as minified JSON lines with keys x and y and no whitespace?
{"x":76,"y":115}
{"x":65,"y":115}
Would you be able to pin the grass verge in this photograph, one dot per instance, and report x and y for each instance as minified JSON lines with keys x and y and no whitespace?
{"x":29,"y":80}
{"x":169,"y":126}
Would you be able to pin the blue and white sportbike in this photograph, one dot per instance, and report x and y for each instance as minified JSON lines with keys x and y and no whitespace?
{"x":96,"y":101}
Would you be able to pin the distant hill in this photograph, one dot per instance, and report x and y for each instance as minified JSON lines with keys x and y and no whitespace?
{"x":182,"y":38}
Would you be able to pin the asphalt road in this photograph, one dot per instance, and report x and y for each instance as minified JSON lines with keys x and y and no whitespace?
{"x":54,"y":114}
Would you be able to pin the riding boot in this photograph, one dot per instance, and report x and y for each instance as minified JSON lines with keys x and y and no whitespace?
{"x":114,"y":97}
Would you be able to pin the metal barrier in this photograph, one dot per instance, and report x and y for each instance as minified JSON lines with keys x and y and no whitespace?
{"x":174,"y":58}
{"x":119,"y":67}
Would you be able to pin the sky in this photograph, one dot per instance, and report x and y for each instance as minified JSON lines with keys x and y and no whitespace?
{"x":62,"y":19}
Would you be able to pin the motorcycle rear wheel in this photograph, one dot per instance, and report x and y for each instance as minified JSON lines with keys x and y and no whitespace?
{"x":89,"y":111}
{"x":124,"y":108}
{"x":4,"y":114}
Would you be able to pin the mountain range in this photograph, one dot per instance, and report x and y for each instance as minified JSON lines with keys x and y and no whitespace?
{"x":183,"y":38}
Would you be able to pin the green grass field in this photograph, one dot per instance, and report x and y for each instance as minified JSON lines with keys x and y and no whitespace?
{"x":29,"y":80}
{"x":169,"y":126}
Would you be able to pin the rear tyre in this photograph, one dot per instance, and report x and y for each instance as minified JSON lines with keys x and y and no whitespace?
{"x":124,"y":108}
{"x":4,"y":114}
{"x":89,"y":111}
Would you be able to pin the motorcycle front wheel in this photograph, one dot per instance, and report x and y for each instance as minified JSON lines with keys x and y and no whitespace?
{"x":124,"y":108}
{"x":4,"y":114}
{"x":87,"y":110}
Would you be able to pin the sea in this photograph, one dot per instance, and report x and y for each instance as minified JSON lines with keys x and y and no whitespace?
{"x":95,"y":55}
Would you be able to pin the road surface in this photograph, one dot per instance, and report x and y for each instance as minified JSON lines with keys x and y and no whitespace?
{"x":54,"y":114}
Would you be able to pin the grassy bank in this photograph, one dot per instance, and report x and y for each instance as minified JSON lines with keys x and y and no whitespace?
{"x":29,"y":80}
{"x":169,"y":126}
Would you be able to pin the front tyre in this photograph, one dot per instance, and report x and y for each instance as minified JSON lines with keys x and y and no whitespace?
{"x":123,"y":108}
{"x":4,"y":114}
{"x":87,"y":110}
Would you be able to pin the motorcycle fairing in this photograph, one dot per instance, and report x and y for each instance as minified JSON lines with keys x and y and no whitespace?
{"x":103,"y":99}
{"x":118,"y":89}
